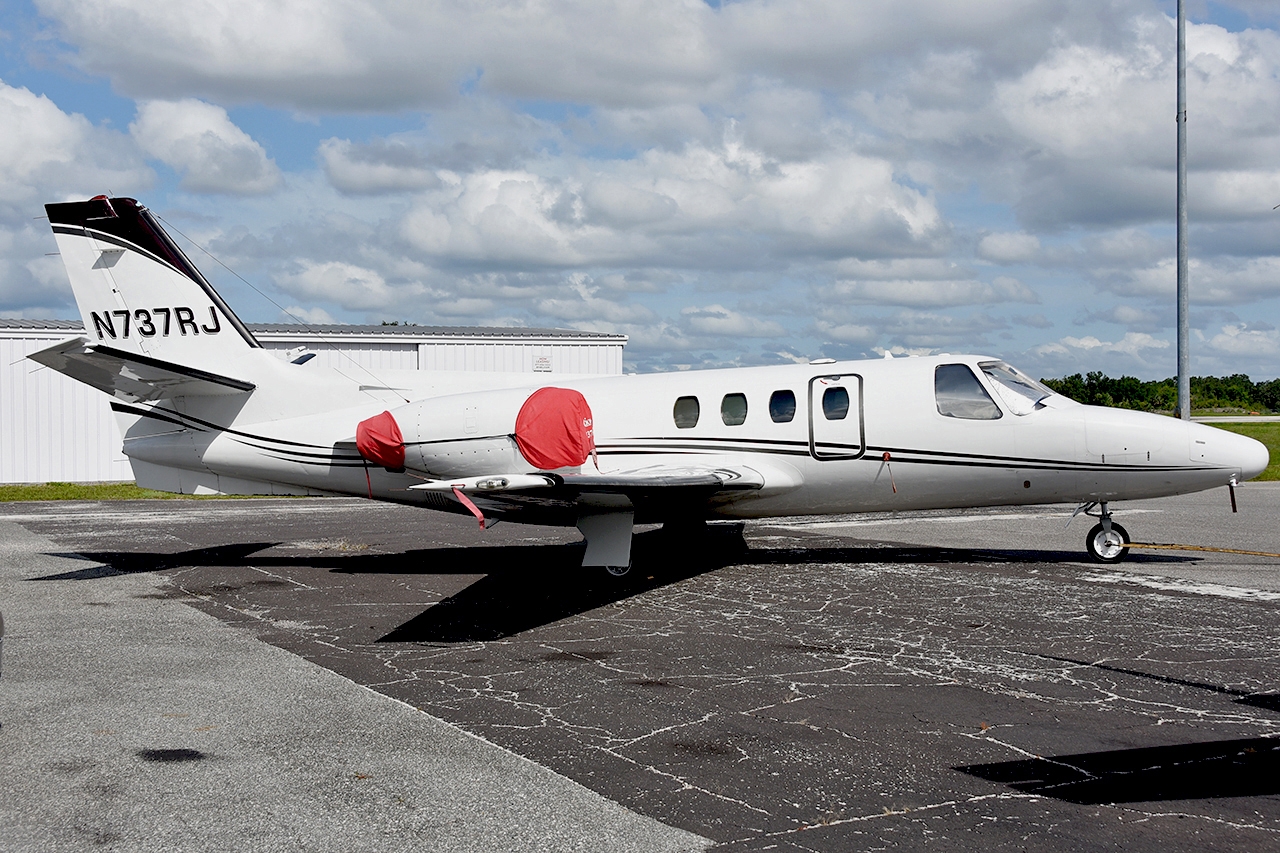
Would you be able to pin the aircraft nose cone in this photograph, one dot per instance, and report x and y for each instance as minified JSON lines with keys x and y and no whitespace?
{"x":1221,"y":448}
{"x":1252,"y":456}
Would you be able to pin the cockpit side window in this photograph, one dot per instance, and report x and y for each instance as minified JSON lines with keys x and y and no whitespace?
{"x":961,"y":395}
{"x":1020,"y":393}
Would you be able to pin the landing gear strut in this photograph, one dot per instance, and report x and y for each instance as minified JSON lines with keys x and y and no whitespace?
{"x":1107,"y":541}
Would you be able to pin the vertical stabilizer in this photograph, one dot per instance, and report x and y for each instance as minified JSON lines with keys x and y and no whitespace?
{"x":136,"y":290}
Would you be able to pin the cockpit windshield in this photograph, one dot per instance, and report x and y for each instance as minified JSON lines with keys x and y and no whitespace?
{"x":1020,"y":394}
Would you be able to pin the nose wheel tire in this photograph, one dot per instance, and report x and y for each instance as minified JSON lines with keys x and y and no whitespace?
{"x":1107,"y":547}
{"x":618,"y":571}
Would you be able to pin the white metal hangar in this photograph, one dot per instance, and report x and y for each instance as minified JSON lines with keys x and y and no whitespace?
{"x":54,"y":429}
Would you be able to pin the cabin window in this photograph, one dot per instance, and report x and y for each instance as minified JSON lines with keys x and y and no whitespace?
{"x":782,"y":407}
{"x":835,"y":403}
{"x":733,"y":409}
{"x":961,"y":395}
{"x":686,"y":412}
{"x":1020,"y":393}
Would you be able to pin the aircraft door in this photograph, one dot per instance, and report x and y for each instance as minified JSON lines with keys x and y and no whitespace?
{"x":836,"y":429}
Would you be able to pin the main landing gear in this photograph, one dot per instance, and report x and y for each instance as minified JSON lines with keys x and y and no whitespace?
{"x":1107,"y":541}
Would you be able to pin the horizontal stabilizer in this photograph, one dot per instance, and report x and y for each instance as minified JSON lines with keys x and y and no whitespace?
{"x":133,"y":377}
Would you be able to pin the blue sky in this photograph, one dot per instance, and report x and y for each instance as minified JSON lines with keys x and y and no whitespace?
{"x":737,"y":183}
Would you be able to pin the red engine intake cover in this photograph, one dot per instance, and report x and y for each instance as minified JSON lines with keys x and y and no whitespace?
{"x":554,"y":429}
{"x":379,"y":440}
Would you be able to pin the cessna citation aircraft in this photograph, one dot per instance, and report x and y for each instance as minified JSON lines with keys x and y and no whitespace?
{"x":204,"y":409}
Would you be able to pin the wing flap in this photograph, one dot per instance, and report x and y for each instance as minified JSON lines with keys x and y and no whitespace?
{"x":132,"y":377}
{"x":663,"y":477}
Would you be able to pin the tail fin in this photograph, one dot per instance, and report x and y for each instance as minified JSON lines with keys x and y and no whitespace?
{"x":136,"y":290}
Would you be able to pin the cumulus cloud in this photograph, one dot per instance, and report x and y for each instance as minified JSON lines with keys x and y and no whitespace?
{"x":1215,"y":281}
{"x":612,"y":164}
{"x":1016,"y":247}
{"x":375,"y":167}
{"x":316,"y":316}
{"x":585,"y":305}
{"x":48,"y":155}
{"x":718,"y":320}
{"x":691,"y":207}
{"x":348,"y":285}
{"x":916,"y":330}
{"x":848,"y":333}
{"x":342,"y":55}
{"x":1137,"y":319}
{"x":1250,"y":340}
{"x":200,"y":141}
{"x":1132,"y":344}
{"x":932,"y":294}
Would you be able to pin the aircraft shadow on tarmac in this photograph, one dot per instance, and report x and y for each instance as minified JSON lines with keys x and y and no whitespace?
{"x":1248,"y":767}
{"x":111,"y":563}
{"x":1266,"y":701}
{"x":526,"y":586}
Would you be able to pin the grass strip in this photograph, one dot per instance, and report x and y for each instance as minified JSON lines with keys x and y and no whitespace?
{"x":90,"y":492}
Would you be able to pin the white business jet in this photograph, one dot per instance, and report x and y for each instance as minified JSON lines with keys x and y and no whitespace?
{"x":204,"y":409}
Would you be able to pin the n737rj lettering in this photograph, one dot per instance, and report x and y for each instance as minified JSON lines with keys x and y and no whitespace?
{"x":205,"y":409}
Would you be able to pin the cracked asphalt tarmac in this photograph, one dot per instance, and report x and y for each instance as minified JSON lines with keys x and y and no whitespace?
{"x":902,"y":682}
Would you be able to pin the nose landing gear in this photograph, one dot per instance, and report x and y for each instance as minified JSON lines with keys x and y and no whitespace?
{"x":1107,"y":541}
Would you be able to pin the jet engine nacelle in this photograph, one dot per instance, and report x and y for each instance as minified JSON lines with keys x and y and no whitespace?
{"x":510,"y":430}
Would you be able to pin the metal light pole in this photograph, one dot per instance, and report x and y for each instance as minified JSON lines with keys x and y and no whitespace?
{"x":1184,"y":323}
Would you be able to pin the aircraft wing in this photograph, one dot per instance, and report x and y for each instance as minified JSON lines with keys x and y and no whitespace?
{"x":650,"y":479}
{"x":133,"y":377}
{"x":651,"y":492}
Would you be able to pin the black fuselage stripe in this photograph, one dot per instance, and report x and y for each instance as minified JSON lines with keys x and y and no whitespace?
{"x":703,"y":441}
{"x":153,"y":413}
{"x":147,"y":413}
{"x":974,"y":461}
{"x":303,"y":453}
{"x":332,"y":463}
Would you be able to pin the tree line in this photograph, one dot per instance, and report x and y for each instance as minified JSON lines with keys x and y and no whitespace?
{"x":1207,"y":392}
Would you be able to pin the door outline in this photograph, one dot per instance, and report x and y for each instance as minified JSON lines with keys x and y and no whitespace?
{"x":827,"y":455}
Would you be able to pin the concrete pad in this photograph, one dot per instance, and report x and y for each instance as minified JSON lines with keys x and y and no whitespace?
{"x":133,"y":722}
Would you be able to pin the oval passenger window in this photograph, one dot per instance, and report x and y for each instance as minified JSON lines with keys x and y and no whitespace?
{"x":782,"y":407}
{"x":835,"y":403}
{"x":686,"y":412}
{"x":733,"y":409}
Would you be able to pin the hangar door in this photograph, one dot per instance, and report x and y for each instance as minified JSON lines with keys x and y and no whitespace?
{"x":836,"y":430}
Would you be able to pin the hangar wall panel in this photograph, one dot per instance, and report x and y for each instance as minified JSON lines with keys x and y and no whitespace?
{"x":374,"y":356}
{"x":521,"y":358}
{"x":52,"y":428}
